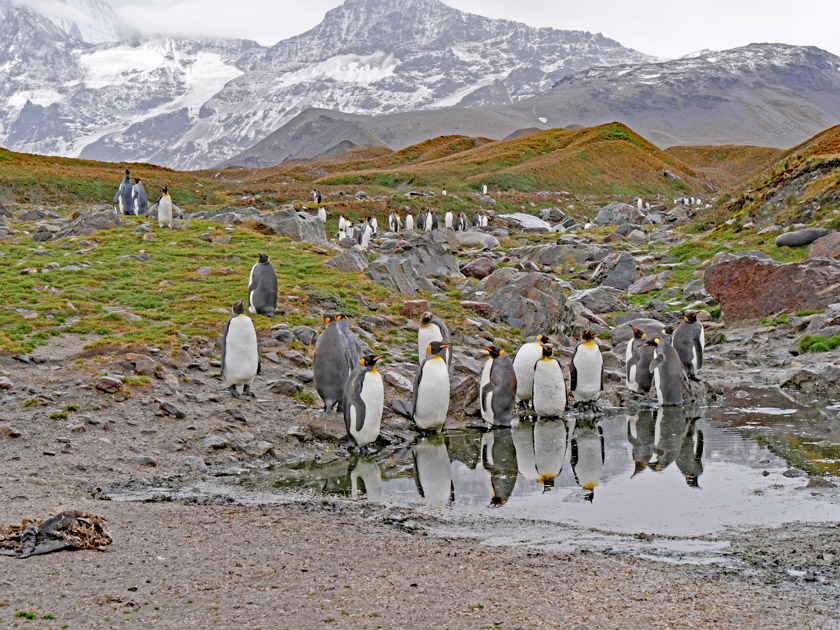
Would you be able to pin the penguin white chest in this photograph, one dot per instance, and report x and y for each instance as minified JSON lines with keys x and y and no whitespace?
{"x":409,"y":222}
{"x":588,"y":363}
{"x":447,"y":220}
{"x":373,"y":396}
{"x":322,"y":214}
{"x":251,"y":290}
{"x":432,"y":402}
{"x":657,"y":379}
{"x":241,"y":355}
{"x":426,"y":335}
{"x":523,"y":366}
{"x":165,"y":211}
{"x":486,"y":398}
{"x":549,"y":388}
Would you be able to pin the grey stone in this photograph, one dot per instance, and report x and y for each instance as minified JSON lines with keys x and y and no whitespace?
{"x":401,"y":407}
{"x":602,"y":299}
{"x":196,"y":464}
{"x":349,"y":261}
{"x":285,"y":387}
{"x":145,"y":460}
{"x":487,"y":199}
{"x":479,"y":268}
{"x":171,"y":410}
{"x":526,"y":222}
{"x":649,"y":283}
{"x":405,"y":270}
{"x":616,"y":270}
{"x":213,"y":442}
{"x":618,"y":213}
{"x":108,"y":384}
{"x":305,"y":334}
{"x":284,"y":335}
{"x":299,"y":227}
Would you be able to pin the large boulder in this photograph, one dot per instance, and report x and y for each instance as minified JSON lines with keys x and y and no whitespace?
{"x":405,"y":268}
{"x":526,"y":222}
{"x":557,"y":255}
{"x":349,"y":261}
{"x":294,"y":225}
{"x":616,"y":270}
{"x":532,"y":302}
{"x":602,"y":300}
{"x":618,"y":213}
{"x":90,"y":222}
{"x":649,"y":283}
{"x":230,"y":215}
{"x":479,"y":268}
{"x":472,"y":238}
{"x":751,"y":285}
{"x":798,"y":238}
{"x":827,"y":246}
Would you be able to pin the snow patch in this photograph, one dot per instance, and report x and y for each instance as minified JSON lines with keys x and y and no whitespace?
{"x":364,"y":69}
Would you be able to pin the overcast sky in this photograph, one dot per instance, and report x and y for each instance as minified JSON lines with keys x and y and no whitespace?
{"x":657,"y":27}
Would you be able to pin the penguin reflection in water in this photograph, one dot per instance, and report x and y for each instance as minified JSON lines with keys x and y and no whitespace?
{"x":332,"y":363}
{"x":430,"y":402}
{"x":641,"y":435}
{"x":588,"y":455}
{"x":690,"y":458}
{"x":498,"y":461}
{"x":541,"y":450}
{"x":240,"y":357}
{"x":432,"y":473}
{"x":364,"y":398}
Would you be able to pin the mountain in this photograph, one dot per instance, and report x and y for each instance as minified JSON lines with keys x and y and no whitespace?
{"x":90,"y":21}
{"x":366,"y":57}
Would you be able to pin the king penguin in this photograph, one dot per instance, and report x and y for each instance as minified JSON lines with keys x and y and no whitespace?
{"x":497,"y":390}
{"x":637,"y":374}
{"x":322,"y":214}
{"x":667,"y":372}
{"x":449,"y":220}
{"x":394,"y":223}
{"x":262,"y":288}
{"x":409,"y":221}
{"x":421,"y":221}
{"x":332,"y":363}
{"x":364,"y":398}
{"x":524,"y":361}
{"x":430,"y":402}
{"x":587,"y":370}
{"x":164,"y":208}
{"x":541,"y":449}
{"x":689,"y":341}
{"x":138,"y":195}
{"x":352,"y":340}
{"x":432,"y":329}
{"x":240,"y":357}
{"x":549,"y":386}
{"x":123,"y":196}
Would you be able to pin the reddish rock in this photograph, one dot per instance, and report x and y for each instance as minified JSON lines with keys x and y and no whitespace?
{"x":8,"y":432}
{"x":827,"y":246}
{"x":414,"y":309}
{"x":108,"y":385}
{"x":482,"y":309}
{"x":615,"y":237}
{"x":479,"y":268}
{"x":751,"y":285}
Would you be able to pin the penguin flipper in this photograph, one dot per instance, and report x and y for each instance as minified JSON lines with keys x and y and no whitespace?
{"x":224,"y":343}
{"x":417,"y":378}
{"x":259,"y":363}
{"x":153,"y":207}
{"x":654,"y":363}
{"x":573,"y":374}
{"x":176,"y":211}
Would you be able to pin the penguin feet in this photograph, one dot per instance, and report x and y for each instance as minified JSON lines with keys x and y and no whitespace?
{"x":694,"y":378}
{"x":234,"y":392}
{"x":246,"y":391}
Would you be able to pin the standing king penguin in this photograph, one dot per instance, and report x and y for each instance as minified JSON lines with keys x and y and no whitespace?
{"x":549,"y":386}
{"x":524,"y":361}
{"x":587,"y":370}
{"x":138,"y":195}
{"x":667,"y":372}
{"x":240,"y":357}
{"x":262,"y":288}
{"x":689,"y":341}
{"x":497,"y":389}
{"x":123,"y":196}
{"x":352,"y":340}
{"x":637,"y":373}
{"x":364,"y":398}
{"x":409,"y":221}
{"x":432,"y":329}
{"x":332,"y":363}
{"x":430,"y":402}
{"x":164,"y":208}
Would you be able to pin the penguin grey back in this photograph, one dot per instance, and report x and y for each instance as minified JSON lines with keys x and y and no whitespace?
{"x":332,"y":363}
{"x":668,"y":372}
{"x":689,"y":342}
{"x":262,"y":288}
{"x":123,"y":196}
{"x":352,"y":340}
{"x":500,"y":391}
{"x":138,"y":195}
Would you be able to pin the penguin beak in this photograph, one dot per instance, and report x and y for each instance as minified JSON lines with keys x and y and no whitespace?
{"x":445,"y":345}
{"x":376,"y":358}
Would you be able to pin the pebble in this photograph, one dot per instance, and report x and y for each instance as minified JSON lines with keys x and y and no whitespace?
{"x":7,"y":431}
{"x":263,"y":447}
{"x":145,"y":460}
{"x":5,"y":383}
{"x":196,"y":464}
{"x":213,"y":442}
{"x":172,"y":410}
{"x":108,"y":385}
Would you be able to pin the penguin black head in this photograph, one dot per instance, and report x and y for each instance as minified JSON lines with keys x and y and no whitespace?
{"x":263,"y":258}
{"x":369,"y":360}
{"x":127,"y":172}
{"x":164,"y":189}
{"x":497,"y":502}
{"x":547,"y":350}
{"x":690,"y":318}
{"x":136,"y":180}
{"x":669,"y":330}
{"x":328,"y":317}
{"x":544,"y":339}
{"x":637,"y":334}
{"x":238,"y":307}
{"x":426,"y":318}
{"x":494,"y":350}
{"x":652,"y":342}
{"x":436,"y":347}
{"x":588,"y":335}
{"x":693,"y":481}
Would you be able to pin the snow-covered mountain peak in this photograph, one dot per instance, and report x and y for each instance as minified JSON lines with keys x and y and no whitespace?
{"x":89,"y":21}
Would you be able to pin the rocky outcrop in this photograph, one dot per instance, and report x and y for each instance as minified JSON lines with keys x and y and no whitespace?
{"x":618,"y":213}
{"x":348,"y":261}
{"x":602,"y":300}
{"x":479,"y":268}
{"x":298,"y":227}
{"x":827,"y":246}
{"x":90,"y":222}
{"x":798,"y":238}
{"x":616,"y":270}
{"x":558,"y":255}
{"x":753,"y":285}
{"x":405,"y":269}
{"x":525,"y":222}
{"x":649,"y":283}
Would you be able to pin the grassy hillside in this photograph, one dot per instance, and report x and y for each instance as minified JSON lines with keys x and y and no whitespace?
{"x":726,"y":165}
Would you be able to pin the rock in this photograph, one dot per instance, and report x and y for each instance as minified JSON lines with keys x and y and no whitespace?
{"x":145,"y":460}
{"x":526,"y":222}
{"x":401,"y":407}
{"x":479,"y":268}
{"x":349,"y":261}
{"x":823,"y":380}
{"x":695,"y":290}
{"x":305,"y":334}
{"x":285,"y":387}
{"x":615,"y":237}
{"x":617,"y":213}
{"x":139,"y":364}
{"x":671,"y":175}
{"x":601,"y":299}
{"x":406,"y":270}
{"x":90,"y":222}
{"x":283,"y":335}
{"x":751,"y":285}
{"x":532,"y":302}
{"x":5,"y":383}
{"x":623,"y":333}
{"x":827,"y":246}
{"x":298,"y":227}
{"x":616,"y":270}
{"x":414,"y":309}
{"x":798,"y":238}
{"x":463,"y":397}
{"x":204,"y":271}
{"x":830,"y":317}
{"x":108,"y":384}
{"x":264,"y":448}
{"x":400,"y":382}
{"x":213,"y":442}
{"x":7,"y":431}
{"x":649,"y":283}
{"x":562,"y":254}
{"x":486,"y":199}
{"x":171,"y":410}
{"x":472,"y":239}
{"x":482,"y":309}
{"x":196,"y":464}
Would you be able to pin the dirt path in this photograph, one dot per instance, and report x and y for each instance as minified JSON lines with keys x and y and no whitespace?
{"x":176,"y":566}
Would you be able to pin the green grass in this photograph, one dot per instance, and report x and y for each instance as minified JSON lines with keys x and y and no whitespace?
{"x":810,"y":343}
